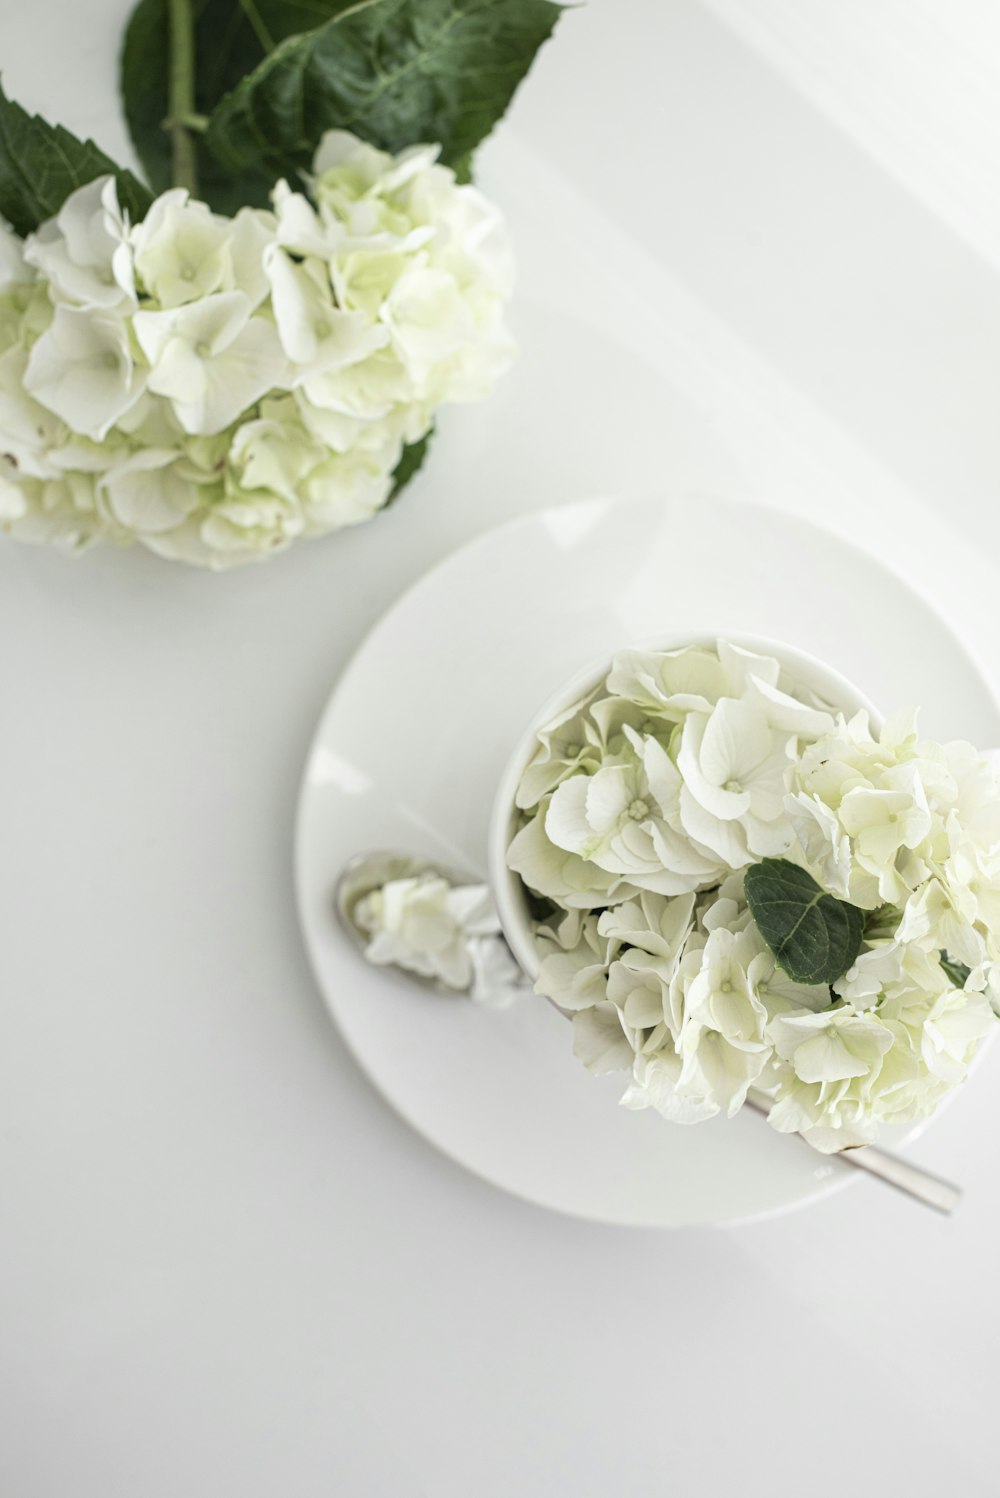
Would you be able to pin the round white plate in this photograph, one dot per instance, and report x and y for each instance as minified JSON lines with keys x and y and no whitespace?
{"x":407,"y":755}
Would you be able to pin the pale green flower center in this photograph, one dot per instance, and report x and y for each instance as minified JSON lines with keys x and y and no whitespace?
{"x":639,"y":810}
{"x":735,"y":786}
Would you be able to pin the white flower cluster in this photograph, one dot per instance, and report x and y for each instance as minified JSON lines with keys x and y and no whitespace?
{"x":449,"y":933}
{"x":643,"y":806}
{"x":216,"y":388}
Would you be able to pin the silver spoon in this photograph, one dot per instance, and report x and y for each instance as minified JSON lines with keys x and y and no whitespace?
{"x":369,"y":872}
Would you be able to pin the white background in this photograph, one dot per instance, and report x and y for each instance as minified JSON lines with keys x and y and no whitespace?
{"x":226,"y":1268}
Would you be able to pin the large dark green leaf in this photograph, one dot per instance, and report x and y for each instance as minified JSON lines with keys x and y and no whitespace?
{"x":230,"y":41}
{"x":396,"y":72}
{"x":814,"y":936}
{"x":41,"y":164}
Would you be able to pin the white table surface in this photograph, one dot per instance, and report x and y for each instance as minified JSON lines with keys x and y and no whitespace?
{"x":226,"y":1267}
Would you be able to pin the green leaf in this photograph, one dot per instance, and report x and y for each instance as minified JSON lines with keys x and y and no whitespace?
{"x":957,"y":972}
{"x":881,"y":923}
{"x":409,"y":464}
{"x":230,"y":40}
{"x":396,"y":72}
{"x":41,"y":164}
{"x":814,"y":936}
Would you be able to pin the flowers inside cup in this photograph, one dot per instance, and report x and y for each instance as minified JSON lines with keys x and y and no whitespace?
{"x":734,"y":883}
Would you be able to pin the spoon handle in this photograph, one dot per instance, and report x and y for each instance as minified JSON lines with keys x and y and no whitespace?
{"x":932,"y":1190}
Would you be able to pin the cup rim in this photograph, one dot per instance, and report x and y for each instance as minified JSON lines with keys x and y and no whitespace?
{"x":509,"y":891}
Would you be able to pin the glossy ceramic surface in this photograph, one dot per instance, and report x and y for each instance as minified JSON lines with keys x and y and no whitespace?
{"x":412,"y":746}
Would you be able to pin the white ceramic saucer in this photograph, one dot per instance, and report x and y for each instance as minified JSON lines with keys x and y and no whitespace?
{"x":408,"y":753}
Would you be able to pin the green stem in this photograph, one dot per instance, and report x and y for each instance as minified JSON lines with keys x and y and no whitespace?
{"x":182,"y":102}
{"x":260,"y":31}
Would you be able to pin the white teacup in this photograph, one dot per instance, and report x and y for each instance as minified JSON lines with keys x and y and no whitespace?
{"x":798,"y":669}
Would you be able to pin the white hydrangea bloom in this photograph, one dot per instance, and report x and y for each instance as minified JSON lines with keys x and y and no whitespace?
{"x":432,"y":255}
{"x":835,"y":1045}
{"x":82,"y":370}
{"x":211,"y":358}
{"x":316,"y":334}
{"x":561,"y":876}
{"x":184,"y":252}
{"x":150,"y":491}
{"x":856,"y":1071}
{"x":569,"y":743}
{"x":641,"y":808}
{"x":655,"y":1079}
{"x":308,"y":344}
{"x":574,"y":971}
{"x":600,"y":1040}
{"x":445,"y":932}
{"x":32,"y":434}
{"x":619,"y":784}
{"x":627,"y":819}
{"x":734,"y":765}
{"x":84,"y":252}
{"x":721,"y":1039}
